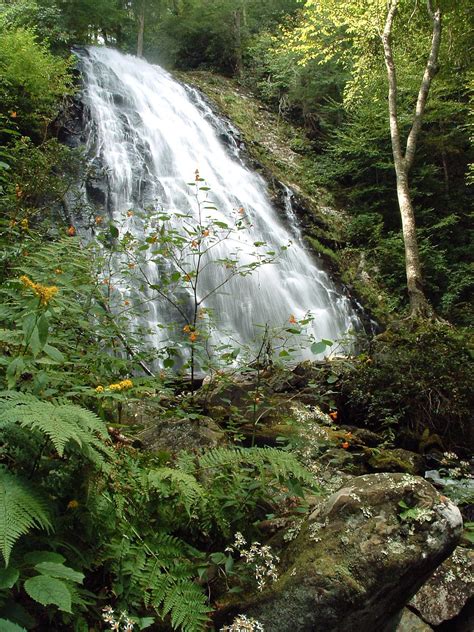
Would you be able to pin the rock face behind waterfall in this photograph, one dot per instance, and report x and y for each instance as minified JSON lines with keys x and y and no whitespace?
{"x":359,"y":558}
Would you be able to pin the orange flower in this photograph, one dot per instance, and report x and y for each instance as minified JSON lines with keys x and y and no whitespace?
{"x":187,"y":277}
{"x":99,"y":219}
{"x":131,"y":266}
{"x":13,"y":114}
{"x":71,"y":231}
{"x":193,"y":336}
{"x":333,"y":415}
{"x":194,"y":243}
{"x":292,"y":319}
{"x":129,"y":213}
{"x":345,"y":445}
{"x":205,"y":233}
{"x":126,"y":302}
{"x":241,"y":210}
{"x":186,"y":329}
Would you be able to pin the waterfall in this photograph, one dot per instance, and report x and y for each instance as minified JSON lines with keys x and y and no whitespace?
{"x":149,"y":134}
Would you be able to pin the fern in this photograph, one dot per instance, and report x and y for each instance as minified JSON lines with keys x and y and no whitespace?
{"x":280,"y":463}
{"x":182,"y":599}
{"x":21,"y":509}
{"x":61,"y":424}
{"x":186,"y":603}
{"x":168,"y":482}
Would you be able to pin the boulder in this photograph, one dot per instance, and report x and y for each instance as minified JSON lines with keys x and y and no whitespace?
{"x":396,"y":460}
{"x":449,"y":588}
{"x":411,"y":623}
{"x":357,"y":560}
{"x":174,"y":435}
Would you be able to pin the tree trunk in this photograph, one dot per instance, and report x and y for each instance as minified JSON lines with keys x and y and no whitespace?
{"x":141,"y":29}
{"x":419,"y":305}
{"x":238,"y":41}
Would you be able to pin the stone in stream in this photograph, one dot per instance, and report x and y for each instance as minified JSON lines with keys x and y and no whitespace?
{"x":358,"y":559}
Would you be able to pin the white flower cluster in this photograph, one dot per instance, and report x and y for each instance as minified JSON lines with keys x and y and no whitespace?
{"x":242,"y":624}
{"x":261,"y":557}
{"x":122,"y":624}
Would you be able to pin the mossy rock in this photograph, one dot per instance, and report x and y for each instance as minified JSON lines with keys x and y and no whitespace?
{"x":397,"y":460}
{"x":356,"y":562}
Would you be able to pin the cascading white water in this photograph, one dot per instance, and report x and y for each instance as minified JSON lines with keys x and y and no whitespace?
{"x":150,"y":134}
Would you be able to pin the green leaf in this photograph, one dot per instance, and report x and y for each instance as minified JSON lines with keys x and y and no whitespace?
{"x":318,"y":347}
{"x":49,"y":590}
{"x":229,"y":564}
{"x":9,"y":626}
{"x":15,"y":368}
{"x":54,"y":353}
{"x":36,"y":557}
{"x":218,"y":558}
{"x":332,"y":379}
{"x":52,"y":569}
{"x":8,"y":577}
{"x":293,"y":330}
{"x":175,"y":277}
{"x":168,"y":363}
{"x":114,"y":231}
{"x":28,"y":324}
{"x":145,"y":622}
{"x":43,"y":329}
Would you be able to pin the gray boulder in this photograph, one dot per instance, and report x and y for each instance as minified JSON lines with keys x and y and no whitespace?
{"x":448,"y":590}
{"x":358,"y":559}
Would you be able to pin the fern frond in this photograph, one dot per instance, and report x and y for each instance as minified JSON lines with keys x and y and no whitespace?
{"x":281,"y":464}
{"x":168,"y":482}
{"x":188,"y":608}
{"x":62,"y":424}
{"x":183,"y":600}
{"x":21,"y":509}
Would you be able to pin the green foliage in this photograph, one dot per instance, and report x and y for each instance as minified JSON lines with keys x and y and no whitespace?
{"x":21,"y":509}
{"x":62,"y":424}
{"x":49,"y":590}
{"x":416,"y":377}
{"x":8,"y":626}
{"x":33,"y":81}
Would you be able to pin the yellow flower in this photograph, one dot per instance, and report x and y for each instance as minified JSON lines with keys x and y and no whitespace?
{"x":120,"y":386}
{"x":73,"y":504}
{"x":44,"y":292}
{"x":24,"y":224}
{"x":99,"y":389}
